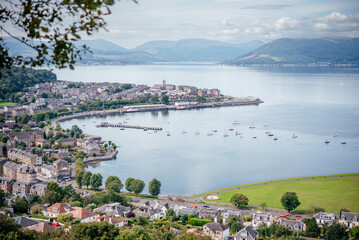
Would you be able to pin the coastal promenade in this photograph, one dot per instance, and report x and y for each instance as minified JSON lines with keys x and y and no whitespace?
{"x":158,"y":107}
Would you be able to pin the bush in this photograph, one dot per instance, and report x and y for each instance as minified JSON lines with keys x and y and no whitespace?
{"x":198,"y":222}
{"x":40,"y":216}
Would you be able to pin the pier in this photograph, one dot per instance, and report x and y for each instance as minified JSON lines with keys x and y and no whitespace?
{"x":119,"y":125}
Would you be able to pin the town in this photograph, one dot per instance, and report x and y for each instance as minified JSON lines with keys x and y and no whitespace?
{"x":45,"y":187}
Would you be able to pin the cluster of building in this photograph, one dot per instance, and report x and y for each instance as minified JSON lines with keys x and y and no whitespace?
{"x":181,"y":92}
{"x":52,"y":96}
{"x":22,"y":170}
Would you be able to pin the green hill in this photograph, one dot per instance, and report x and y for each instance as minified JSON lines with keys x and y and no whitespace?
{"x":301,"y":51}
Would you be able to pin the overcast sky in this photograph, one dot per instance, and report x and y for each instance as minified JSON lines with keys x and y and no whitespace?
{"x":234,"y":21}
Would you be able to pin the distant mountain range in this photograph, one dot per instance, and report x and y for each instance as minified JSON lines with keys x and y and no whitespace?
{"x":302,"y":51}
{"x":284,"y":51}
{"x":187,"y":50}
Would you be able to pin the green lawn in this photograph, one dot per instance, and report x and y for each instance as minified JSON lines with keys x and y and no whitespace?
{"x":328,"y":193}
{"x":3,"y":104}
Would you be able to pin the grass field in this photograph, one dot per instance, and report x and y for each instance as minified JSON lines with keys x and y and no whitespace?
{"x":328,"y":193}
{"x":3,"y":104}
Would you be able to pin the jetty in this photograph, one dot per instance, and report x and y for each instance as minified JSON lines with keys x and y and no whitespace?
{"x":119,"y":125}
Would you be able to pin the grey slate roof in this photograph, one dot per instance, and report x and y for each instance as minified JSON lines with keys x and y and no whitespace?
{"x":246,"y":233}
{"x":349,"y":216}
{"x":25,"y":222}
{"x":214,"y":227}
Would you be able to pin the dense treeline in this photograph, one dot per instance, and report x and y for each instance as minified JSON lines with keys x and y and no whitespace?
{"x":11,"y":85}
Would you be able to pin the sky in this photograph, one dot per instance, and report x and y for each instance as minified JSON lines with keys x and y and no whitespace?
{"x":232,"y":21}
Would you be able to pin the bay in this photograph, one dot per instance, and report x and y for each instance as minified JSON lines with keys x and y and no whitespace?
{"x":313,"y":103}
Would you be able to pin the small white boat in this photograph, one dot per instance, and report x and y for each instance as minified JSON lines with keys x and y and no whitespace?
{"x":254,"y":137}
{"x":267,"y":132}
{"x":231,"y":129}
{"x":327,"y":141}
{"x":294,"y":136}
{"x":271,"y":135}
{"x":235,"y":123}
{"x":225,"y":135}
{"x":343,"y":142}
{"x":335,"y":135}
{"x":251,"y":126}
{"x":237,"y":133}
{"x":209,"y":134}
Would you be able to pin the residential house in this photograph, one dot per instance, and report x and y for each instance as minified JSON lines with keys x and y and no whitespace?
{"x":209,"y":213}
{"x":21,"y":187}
{"x":24,"y":156}
{"x":115,"y":209}
{"x":83,"y":214}
{"x":118,"y":222}
{"x":294,"y":225}
{"x":261,"y":219}
{"x":6,"y":184}
{"x":38,"y":189}
{"x":64,"y":142}
{"x":41,"y":142}
{"x":180,"y":211}
{"x":349,"y":219}
{"x":60,"y":164}
{"x":216,"y":230}
{"x":56,"y":209}
{"x":247,"y":233}
{"x":43,"y":227}
{"x":324,"y":218}
{"x":90,"y":148}
{"x":228,"y":213}
{"x":29,"y":138}
{"x":58,"y":153}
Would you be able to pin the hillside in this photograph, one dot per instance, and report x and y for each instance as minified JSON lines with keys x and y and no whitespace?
{"x":320,"y":51}
{"x":20,"y":79}
{"x":108,"y":53}
{"x":196,"y":50}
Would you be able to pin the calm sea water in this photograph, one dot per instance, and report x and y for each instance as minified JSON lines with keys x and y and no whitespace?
{"x":313,"y":103}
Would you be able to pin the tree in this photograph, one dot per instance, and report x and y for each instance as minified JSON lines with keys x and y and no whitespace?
{"x":165,"y":98}
{"x":46,"y":32}
{"x":2,"y":197}
{"x":78,"y":178}
{"x":54,"y":193}
{"x":137,"y":186}
{"x":312,"y":228}
{"x":26,"y":128}
{"x":4,"y":150}
{"x":115,"y":186}
{"x":128,"y":184}
{"x":354,"y":232}
{"x":263,"y":205}
{"x":21,"y":205}
{"x":336,"y":231}
{"x":86,"y":179}
{"x":234,"y":224}
{"x":96,"y":180}
{"x":290,"y":201}
{"x":130,"y":214}
{"x":239,"y":200}
{"x":110,"y":179}
{"x":154,"y":187}
{"x":64,"y":217}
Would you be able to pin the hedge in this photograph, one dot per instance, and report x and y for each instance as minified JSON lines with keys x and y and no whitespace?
{"x":199,"y":222}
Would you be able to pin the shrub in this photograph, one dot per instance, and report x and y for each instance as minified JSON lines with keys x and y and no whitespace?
{"x":198,"y":222}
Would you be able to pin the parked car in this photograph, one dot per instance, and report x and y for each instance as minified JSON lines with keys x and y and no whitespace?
{"x":205,"y":206}
{"x":194,"y":207}
{"x":55,"y":224}
{"x":288,"y":214}
{"x":298,"y":216}
{"x":283,"y":216}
